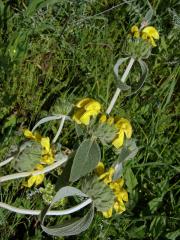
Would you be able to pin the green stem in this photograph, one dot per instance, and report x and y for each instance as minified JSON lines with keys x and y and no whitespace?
{"x":118,"y":90}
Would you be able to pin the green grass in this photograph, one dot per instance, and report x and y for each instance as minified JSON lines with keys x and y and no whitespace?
{"x":67,"y":52}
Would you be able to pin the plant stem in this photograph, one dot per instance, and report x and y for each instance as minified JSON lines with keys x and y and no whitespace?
{"x":60,"y":129}
{"x":34,"y":173}
{"x":118,"y":90}
{"x":6,"y":161}
{"x":50,"y":118}
{"x":50,"y":213}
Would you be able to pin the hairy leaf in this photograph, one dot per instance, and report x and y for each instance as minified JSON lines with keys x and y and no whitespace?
{"x":86,"y":159}
{"x":73,"y":227}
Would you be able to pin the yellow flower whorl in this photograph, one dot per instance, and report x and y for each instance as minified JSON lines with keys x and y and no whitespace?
{"x":86,"y":108}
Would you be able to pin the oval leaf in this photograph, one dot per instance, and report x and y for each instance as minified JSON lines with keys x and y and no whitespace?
{"x":86,"y":159}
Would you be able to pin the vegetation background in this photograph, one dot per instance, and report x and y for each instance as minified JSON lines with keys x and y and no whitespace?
{"x":55,"y":52}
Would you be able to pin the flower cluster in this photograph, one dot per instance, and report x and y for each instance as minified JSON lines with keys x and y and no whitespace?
{"x":88,"y":107}
{"x":148,"y":33}
{"x":47,"y":157}
{"x":120,"y":193}
{"x":85,"y":109}
{"x":123,"y":127}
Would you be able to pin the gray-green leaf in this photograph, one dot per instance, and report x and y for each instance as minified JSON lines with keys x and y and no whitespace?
{"x":69,"y":228}
{"x":128,"y":151}
{"x":86,"y":159}
{"x":28,"y":156}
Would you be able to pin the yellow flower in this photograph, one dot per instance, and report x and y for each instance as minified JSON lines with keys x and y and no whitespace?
{"x":87,"y":108}
{"x":37,"y":180}
{"x":119,"y":206}
{"x":45,"y":143}
{"x":35,"y":136}
{"x":120,"y":193}
{"x":108,"y":213}
{"x":150,"y":33}
{"x":105,"y":176}
{"x":125,"y":129}
{"x":135,"y":31}
{"x":47,"y":153}
{"x":115,"y":185}
{"x":119,"y":140}
{"x":99,"y":168}
{"x":110,"y":120}
{"x":103,"y":118}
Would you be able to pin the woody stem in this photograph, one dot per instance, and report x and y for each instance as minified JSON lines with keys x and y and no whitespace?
{"x":118,"y":90}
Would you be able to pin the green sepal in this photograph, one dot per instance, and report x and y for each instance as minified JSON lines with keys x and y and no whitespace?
{"x":104,"y":132}
{"x":62,"y":106}
{"x":137,"y":48}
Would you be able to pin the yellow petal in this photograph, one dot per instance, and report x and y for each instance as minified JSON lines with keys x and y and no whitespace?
{"x":28,"y":134}
{"x":124,"y":124}
{"x":120,"y":121}
{"x":93,"y":105}
{"x":119,"y":206}
{"x":120,"y":182}
{"x":45,"y":143}
{"x":39,"y":166}
{"x":124,"y":195}
{"x":39,"y":179}
{"x":99,"y":169}
{"x":85,"y":118}
{"x":77,"y":115}
{"x":83,"y":102}
{"x":48,"y":159}
{"x":144,"y":36}
{"x":31,"y":181}
{"x":134,"y":29}
{"x":136,"y":35}
{"x":117,"y":185}
{"x":119,"y":140}
{"x":110,"y":120}
{"x":103,"y":118}
{"x":152,"y":42}
{"x":108,"y":213}
{"x":151,"y":32}
{"x":128,"y":130}
{"x":107,"y":176}
{"x":37,"y":137}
